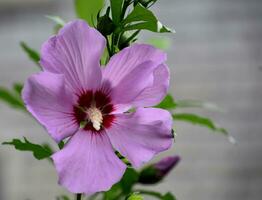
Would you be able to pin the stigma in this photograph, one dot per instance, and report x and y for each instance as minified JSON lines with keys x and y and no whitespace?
{"x":95,"y":116}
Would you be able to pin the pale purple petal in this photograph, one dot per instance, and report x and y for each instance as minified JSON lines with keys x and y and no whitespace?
{"x":121,"y":64}
{"x":75,"y":52}
{"x":154,"y":93}
{"x":88,"y":164}
{"x":142,"y":134}
{"x":49,"y":102}
{"x":125,"y":73}
{"x":134,"y":83}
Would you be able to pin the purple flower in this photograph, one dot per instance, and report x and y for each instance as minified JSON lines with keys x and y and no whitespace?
{"x":165,"y":165}
{"x":157,"y":171}
{"x":74,"y":97}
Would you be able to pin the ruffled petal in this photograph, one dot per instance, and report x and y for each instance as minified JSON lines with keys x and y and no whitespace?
{"x":88,"y":164}
{"x":154,"y":94}
{"x":125,"y":73}
{"x":142,"y":134}
{"x":121,"y":64}
{"x":75,"y":52}
{"x":134,"y":83}
{"x":49,"y":102}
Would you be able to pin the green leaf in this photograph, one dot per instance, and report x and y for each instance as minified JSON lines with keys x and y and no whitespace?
{"x":17,"y":87}
{"x":197,"y":104}
{"x":113,"y":193}
{"x":88,"y":9}
{"x":135,"y":196}
{"x":11,"y":99}
{"x":168,"y":196}
{"x":142,"y":18}
{"x":116,"y":7}
{"x":129,"y":179}
{"x":39,"y":151}
{"x":199,"y":120}
{"x":167,"y":103}
{"x":32,"y":54}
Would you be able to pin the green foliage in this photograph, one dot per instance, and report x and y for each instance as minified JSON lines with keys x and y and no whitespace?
{"x":17,"y":87}
{"x":196,"y":104}
{"x":39,"y":151}
{"x":105,"y":25}
{"x":199,"y":120}
{"x":158,"y":195}
{"x":149,"y":175}
{"x":168,"y":196}
{"x":142,"y":18}
{"x":114,"y":193}
{"x":135,"y":196}
{"x":167,"y":103}
{"x":32,"y":54}
{"x":12,"y":97}
{"x":129,"y":179}
{"x":116,"y":7}
{"x":88,"y":9}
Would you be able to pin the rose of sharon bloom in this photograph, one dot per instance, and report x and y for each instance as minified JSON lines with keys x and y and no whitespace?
{"x":74,"y":97}
{"x":156,"y":172}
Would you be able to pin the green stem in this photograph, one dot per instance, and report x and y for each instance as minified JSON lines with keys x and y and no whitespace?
{"x":125,"y":6}
{"x":132,"y":36}
{"x":78,"y":196}
{"x":108,"y":47}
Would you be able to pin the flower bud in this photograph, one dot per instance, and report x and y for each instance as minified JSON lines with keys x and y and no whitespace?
{"x":156,"y":172}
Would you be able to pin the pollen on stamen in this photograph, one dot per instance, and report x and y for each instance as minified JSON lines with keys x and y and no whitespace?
{"x":95,"y":116}
{"x":93,"y":111}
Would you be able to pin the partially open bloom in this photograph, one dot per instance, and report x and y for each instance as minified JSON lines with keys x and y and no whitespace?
{"x":156,"y":172}
{"x":73,"y":97}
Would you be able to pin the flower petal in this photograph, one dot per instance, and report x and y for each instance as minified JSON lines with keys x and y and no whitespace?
{"x":134,"y":83}
{"x":154,"y":93}
{"x":121,"y":64}
{"x":125,"y":71}
{"x":46,"y":98}
{"x":88,"y":164}
{"x":75,"y":52}
{"x":140,"y":135}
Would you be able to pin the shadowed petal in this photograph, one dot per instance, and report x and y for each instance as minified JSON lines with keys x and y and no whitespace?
{"x":88,"y":164}
{"x":46,"y":98}
{"x":75,"y":52}
{"x":140,"y":135}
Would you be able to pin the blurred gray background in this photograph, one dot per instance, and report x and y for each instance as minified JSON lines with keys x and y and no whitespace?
{"x":216,"y":55}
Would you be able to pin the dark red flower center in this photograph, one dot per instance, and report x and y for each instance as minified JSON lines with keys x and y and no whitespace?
{"x":93,"y":111}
